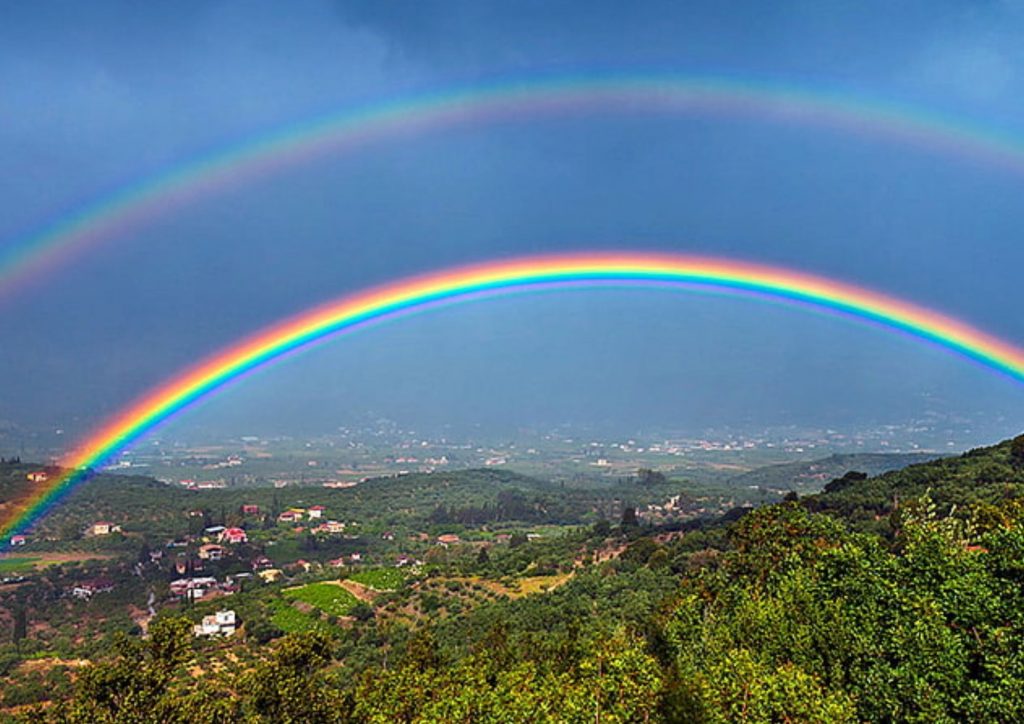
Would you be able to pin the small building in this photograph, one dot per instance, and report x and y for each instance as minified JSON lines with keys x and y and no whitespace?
{"x":260,"y":563}
{"x":356,"y":557}
{"x":330,"y":526}
{"x":222,"y":623}
{"x":233,"y":535}
{"x":316,"y":511}
{"x":38,"y":476}
{"x":87,"y":589}
{"x":212,"y":552}
{"x":192,"y":588}
{"x":270,"y":574}
{"x":105,"y":527}
{"x":387,"y":535}
{"x":289,"y":516}
{"x":18,"y":540}
{"x":250,"y":509}
{"x":214,"y":530}
{"x":448,"y":539}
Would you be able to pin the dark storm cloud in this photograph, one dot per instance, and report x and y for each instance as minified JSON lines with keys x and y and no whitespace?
{"x":95,"y":94}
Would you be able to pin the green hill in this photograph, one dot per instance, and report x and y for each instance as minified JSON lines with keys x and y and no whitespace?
{"x":147,"y":507}
{"x":984,"y":477}
{"x":864,"y":602}
{"x":811,"y":476}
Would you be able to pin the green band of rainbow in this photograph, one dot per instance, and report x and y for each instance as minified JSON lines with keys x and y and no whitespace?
{"x":28,"y":258}
{"x":410,"y":295}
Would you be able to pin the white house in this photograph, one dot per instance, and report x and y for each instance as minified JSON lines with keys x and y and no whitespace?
{"x":222,"y":623}
{"x":104,"y":527}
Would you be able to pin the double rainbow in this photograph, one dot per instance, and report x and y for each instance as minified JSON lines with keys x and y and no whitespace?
{"x":29,"y":257}
{"x":468,"y":283}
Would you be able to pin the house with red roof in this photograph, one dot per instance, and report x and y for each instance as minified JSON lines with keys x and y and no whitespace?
{"x":212,"y":552}
{"x":233,"y":535}
{"x":316,"y":511}
{"x":87,"y":589}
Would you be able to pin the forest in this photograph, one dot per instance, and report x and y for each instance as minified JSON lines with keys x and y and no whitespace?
{"x":890,"y":598}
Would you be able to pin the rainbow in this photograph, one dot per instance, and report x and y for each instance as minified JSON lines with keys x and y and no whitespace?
{"x":32,"y":256}
{"x":467,"y":283}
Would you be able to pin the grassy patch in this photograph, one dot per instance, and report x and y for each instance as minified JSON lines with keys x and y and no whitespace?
{"x":17,"y":565}
{"x":381,"y":579}
{"x":328,"y":597}
{"x":292,"y":620}
{"x":541,"y":584}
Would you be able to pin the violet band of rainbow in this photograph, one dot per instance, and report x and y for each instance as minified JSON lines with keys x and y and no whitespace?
{"x":466,"y":283}
{"x":35,"y":254}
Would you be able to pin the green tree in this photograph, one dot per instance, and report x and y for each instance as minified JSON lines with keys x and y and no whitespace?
{"x":483,"y":557}
{"x":1017,"y":451}
{"x":19,"y":629}
{"x":291,"y":688}
{"x":135,"y":686}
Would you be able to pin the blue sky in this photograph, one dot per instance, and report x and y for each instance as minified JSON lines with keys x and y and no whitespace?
{"x":96,"y":95}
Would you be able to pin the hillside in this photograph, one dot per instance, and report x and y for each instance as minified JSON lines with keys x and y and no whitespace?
{"x":811,"y":476}
{"x":827,"y":608}
{"x":21,"y":482}
{"x":154,"y":510}
{"x":983,"y":478}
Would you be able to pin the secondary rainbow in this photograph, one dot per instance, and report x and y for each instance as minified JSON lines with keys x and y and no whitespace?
{"x":466,"y":283}
{"x":31,"y":256}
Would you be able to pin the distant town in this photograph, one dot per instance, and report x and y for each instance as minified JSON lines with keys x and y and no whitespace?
{"x":384,"y":448}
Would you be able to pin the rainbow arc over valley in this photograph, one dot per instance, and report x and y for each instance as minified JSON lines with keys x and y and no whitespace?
{"x":468,"y":283}
{"x":70,"y":234}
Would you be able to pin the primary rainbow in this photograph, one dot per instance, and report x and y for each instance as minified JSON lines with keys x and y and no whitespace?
{"x":31,"y":256}
{"x":595,"y":269}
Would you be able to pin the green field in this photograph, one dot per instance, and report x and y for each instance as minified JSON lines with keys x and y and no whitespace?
{"x":292,"y":620}
{"x":17,"y":565}
{"x":328,"y":597}
{"x":382,"y":579}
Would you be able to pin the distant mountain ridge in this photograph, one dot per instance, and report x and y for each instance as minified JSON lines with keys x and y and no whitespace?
{"x":987,"y":476}
{"x":811,"y":476}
